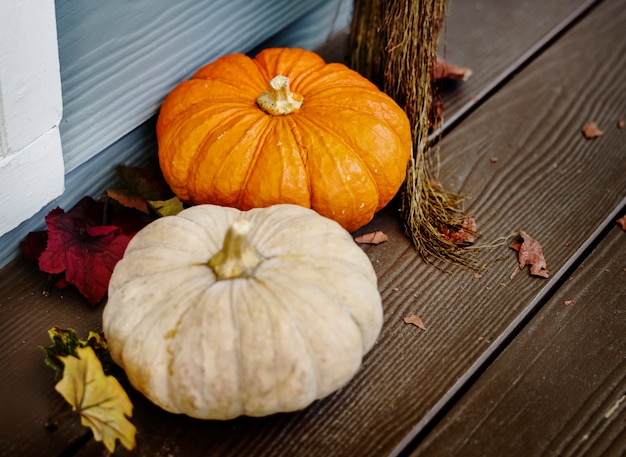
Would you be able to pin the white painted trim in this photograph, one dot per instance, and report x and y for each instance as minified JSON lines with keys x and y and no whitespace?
{"x":31,"y":161}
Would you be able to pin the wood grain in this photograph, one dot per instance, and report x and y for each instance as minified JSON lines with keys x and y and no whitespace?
{"x":28,"y":397}
{"x":502,"y":38}
{"x":559,"y":388}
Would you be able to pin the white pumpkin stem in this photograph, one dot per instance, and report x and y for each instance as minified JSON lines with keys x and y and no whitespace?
{"x":237,"y":258}
{"x":279,"y":100}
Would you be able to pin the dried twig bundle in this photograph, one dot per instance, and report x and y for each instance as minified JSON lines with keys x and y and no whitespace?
{"x":394,"y":44}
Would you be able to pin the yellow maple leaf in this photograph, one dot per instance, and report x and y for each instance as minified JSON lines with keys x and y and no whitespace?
{"x":99,"y":399}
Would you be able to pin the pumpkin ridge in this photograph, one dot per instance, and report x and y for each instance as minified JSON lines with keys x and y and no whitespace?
{"x":308,"y":122}
{"x":337,"y":80}
{"x":296,"y":287}
{"x":202,"y":303}
{"x":279,"y":301}
{"x":238,"y":347}
{"x":151,"y":331}
{"x":288,"y":62}
{"x":241,"y":123}
{"x":275,"y":362}
{"x":330,"y":262}
{"x":169,"y":151}
{"x":378,"y":179}
{"x":263,"y":132}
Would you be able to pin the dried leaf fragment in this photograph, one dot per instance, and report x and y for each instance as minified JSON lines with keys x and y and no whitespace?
{"x":140,"y":186}
{"x":376,"y":237}
{"x":99,"y":399}
{"x":464,"y":233}
{"x":415,"y":320}
{"x":169,"y":207}
{"x":445,"y":70}
{"x":591,"y":131}
{"x":531,"y":253}
{"x":622,"y":222}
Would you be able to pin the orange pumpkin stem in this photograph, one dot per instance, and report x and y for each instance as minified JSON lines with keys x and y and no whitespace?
{"x":237,"y":258}
{"x":279,"y":100}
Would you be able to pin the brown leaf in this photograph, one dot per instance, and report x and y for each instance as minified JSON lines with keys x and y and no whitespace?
{"x":465,"y":233}
{"x":591,"y":131}
{"x":415,"y":320}
{"x":531,"y":253}
{"x":445,"y":70}
{"x":140,"y":185}
{"x":376,"y":237}
{"x":622,"y":222}
{"x":128,"y":199}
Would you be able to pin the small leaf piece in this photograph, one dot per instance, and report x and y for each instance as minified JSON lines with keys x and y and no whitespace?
{"x":531,"y":253}
{"x":591,"y":131}
{"x":99,"y":399}
{"x":464,"y":233}
{"x":415,"y":320}
{"x":141,"y":186}
{"x":376,"y":237}
{"x":622,"y":222}
{"x":170,"y":207}
{"x":445,"y":70}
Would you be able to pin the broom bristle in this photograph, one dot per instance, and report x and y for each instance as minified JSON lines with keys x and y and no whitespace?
{"x":393,"y":43}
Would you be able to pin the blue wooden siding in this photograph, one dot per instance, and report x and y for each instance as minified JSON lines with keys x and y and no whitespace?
{"x":120,"y":58}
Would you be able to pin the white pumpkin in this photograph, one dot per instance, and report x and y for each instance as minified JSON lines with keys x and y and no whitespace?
{"x":217,"y":313}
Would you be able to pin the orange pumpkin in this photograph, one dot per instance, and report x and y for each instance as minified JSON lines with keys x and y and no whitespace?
{"x":284,"y":127}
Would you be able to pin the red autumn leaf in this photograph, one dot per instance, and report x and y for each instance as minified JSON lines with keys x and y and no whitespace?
{"x":102,"y":230}
{"x":465,"y":233}
{"x":82,"y":248}
{"x":531,"y":253}
{"x":34,"y":244}
{"x":591,"y":131}
{"x":622,"y":222}
{"x":376,"y":237}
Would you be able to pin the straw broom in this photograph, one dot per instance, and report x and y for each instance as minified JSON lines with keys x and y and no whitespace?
{"x":393,"y":43}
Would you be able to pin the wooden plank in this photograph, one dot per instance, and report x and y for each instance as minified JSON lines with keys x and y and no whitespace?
{"x":409,"y":374}
{"x":28,"y":397}
{"x":495,"y":39}
{"x":545,"y":180}
{"x":559,"y":388}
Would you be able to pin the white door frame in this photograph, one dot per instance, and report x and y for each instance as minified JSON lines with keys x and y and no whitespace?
{"x":31,"y":107}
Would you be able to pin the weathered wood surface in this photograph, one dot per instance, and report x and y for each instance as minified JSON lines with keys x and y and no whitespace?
{"x":560,"y":387}
{"x":548,"y":180}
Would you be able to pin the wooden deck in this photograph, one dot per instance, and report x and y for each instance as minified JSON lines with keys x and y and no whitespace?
{"x":508,"y":366}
